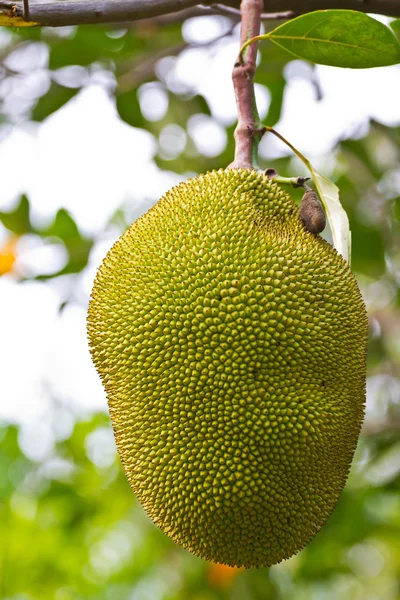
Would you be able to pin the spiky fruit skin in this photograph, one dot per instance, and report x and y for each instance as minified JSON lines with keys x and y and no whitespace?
{"x":231,"y":343}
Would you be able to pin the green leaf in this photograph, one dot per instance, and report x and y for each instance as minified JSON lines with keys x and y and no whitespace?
{"x":18,"y":220}
{"x":55,"y":98}
{"x":329,"y":195}
{"x":78,"y":247}
{"x":276,"y":86}
{"x":92,"y":43}
{"x":395,"y":25}
{"x":369,"y":249}
{"x":128,"y":108}
{"x":63,"y":227}
{"x":396,"y":207}
{"x":337,"y":217}
{"x":341,"y":38}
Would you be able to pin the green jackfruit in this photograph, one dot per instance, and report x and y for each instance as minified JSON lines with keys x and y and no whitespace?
{"x":231,"y":342}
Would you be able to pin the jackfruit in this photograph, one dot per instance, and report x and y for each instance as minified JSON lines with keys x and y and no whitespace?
{"x":231,"y":343}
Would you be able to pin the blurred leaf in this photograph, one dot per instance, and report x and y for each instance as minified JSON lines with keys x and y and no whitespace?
{"x":12,"y":463}
{"x":270,"y":73}
{"x":326,"y":554}
{"x":27,"y":33}
{"x":54,"y":99}
{"x":358,"y":148}
{"x":396,"y":204}
{"x":92,"y":43}
{"x":18,"y":220}
{"x":341,"y":38}
{"x":128,"y":108}
{"x":256,"y":584}
{"x":78,"y":247}
{"x":63,"y":227}
{"x":119,"y":219}
{"x":115,"y":47}
{"x":195,"y":104}
{"x":368,"y":249}
{"x":276,"y":86}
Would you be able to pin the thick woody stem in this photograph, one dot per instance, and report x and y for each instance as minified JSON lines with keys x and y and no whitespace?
{"x":55,"y":13}
{"x":247,"y":134}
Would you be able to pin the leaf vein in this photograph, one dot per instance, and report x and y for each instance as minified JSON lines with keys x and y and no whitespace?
{"x":320,"y":41}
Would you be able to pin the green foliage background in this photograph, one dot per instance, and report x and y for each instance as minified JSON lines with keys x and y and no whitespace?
{"x":70,"y":527}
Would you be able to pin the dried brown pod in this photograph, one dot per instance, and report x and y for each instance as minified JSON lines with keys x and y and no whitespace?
{"x":311,"y":212}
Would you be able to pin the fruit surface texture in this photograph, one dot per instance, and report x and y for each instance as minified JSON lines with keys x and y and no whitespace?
{"x":231,"y":343}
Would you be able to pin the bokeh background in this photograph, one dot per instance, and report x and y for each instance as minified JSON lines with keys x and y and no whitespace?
{"x":96,"y":123}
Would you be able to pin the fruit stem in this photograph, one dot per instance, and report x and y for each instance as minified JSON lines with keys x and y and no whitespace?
{"x":303,"y":159}
{"x":296,"y":182}
{"x":249,"y":131}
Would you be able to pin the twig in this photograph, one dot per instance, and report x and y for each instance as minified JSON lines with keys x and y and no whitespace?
{"x":26,"y":10}
{"x":143,"y":69}
{"x":278,"y":16}
{"x":275,"y":16}
{"x":182,"y":15}
{"x":246,"y":134}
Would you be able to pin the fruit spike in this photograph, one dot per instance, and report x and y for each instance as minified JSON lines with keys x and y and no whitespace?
{"x":231,"y":342}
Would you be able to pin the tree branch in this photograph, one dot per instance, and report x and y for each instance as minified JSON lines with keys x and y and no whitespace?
{"x":246,"y":137}
{"x":235,"y":12}
{"x":79,"y":12}
{"x":143,"y":69}
{"x":54,"y":13}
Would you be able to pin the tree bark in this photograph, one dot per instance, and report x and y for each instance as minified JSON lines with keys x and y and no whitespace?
{"x":246,"y":136}
{"x":56,"y":13}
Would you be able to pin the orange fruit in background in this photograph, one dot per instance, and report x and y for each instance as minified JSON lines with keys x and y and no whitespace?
{"x":8,"y":255}
{"x":222,"y":576}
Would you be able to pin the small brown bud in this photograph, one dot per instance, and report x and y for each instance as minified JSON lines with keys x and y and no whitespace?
{"x":311,"y":212}
{"x":270,"y":173}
